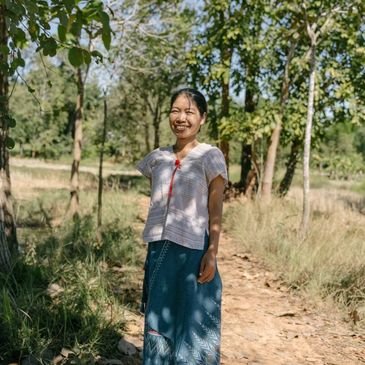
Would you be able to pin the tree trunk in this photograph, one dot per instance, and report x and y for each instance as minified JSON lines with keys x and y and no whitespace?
{"x":8,"y":238}
{"x":275,"y":137}
{"x":75,"y":174}
{"x":307,"y":140}
{"x":226,"y":56}
{"x":146,"y":132}
{"x":101,"y":160}
{"x":246,"y":164}
{"x":156,"y":127}
{"x":248,"y":179}
{"x":290,"y":167}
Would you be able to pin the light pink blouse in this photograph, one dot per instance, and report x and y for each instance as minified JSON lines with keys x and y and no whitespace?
{"x":182,"y":217}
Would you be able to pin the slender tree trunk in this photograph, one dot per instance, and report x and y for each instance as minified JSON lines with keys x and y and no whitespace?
{"x":156,"y":127}
{"x":8,"y":238}
{"x":246,"y":164}
{"x":249,"y":178}
{"x":275,"y":137}
{"x":224,"y":144}
{"x":252,"y":181}
{"x":146,"y":132}
{"x":101,"y":160}
{"x":307,"y":140}
{"x":290,"y":167}
{"x":226,"y":56}
{"x":75,"y":174}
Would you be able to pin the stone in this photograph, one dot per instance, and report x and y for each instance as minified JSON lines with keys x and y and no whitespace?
{"x":126,"y":347}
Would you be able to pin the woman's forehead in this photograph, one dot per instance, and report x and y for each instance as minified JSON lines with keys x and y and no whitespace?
{"x":184,"y":101}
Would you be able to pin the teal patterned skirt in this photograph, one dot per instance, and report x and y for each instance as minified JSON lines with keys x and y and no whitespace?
{"x":182,"y":316}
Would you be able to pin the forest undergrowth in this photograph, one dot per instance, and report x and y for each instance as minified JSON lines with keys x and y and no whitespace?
{"x":69,"y":290}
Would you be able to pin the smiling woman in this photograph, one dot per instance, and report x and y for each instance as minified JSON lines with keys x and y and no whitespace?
{"x":182,"y":287}
{"x":188,"y":113}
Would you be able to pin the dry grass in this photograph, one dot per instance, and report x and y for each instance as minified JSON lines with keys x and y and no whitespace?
{"x":328,"y":263}
{"x":100,"y":279}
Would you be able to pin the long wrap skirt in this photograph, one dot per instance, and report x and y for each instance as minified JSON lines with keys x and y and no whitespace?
{"x":182,"y":316}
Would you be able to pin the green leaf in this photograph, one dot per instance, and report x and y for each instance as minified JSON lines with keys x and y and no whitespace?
{"x":19,"y":37}
{"x":104,"y":18}
{"x":106,"y":37}
{"x":97,"y":55}
{"x":10,"y":121}
{"x":75,"y":56}
{"x":76,"y":28}
{"x":62,"y":16}
{"x":86,"y":56}
{"x":49,"y":46}
{"x":33,"y":30}
{"x":61,"y":33}
{"x":9,"y":143}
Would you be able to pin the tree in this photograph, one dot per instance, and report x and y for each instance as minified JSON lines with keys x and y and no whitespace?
{"x":20,"y":21}
{"x":149,"y":59}
{"x":275,"y":136}
{"x":211,"y":59}
{"x":319,"y":20}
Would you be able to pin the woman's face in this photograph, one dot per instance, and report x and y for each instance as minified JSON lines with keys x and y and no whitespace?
{"x":185,"y":118}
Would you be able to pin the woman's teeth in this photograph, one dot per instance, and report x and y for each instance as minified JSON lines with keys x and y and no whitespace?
{"x":180,"y":128}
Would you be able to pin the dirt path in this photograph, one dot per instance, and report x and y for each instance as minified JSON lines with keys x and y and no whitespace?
{"x":264,"y":324}
{"x":41,"y":164}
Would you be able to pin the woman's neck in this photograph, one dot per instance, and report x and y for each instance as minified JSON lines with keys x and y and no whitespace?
{"x":182,"y":145}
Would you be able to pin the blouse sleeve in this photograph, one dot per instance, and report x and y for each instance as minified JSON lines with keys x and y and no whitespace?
{"x":215,"y":165}
{"x":145,"y":166}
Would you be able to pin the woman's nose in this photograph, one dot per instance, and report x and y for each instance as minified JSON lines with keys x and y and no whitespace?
{"x":182,"y":116}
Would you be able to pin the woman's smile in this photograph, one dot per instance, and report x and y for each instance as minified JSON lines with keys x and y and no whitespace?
{"x":181,"y":128}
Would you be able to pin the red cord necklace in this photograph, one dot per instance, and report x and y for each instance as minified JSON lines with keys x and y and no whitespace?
{"x":177,"y":166}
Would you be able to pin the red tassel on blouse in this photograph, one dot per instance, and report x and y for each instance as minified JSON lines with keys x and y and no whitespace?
{"x":177,"y":166}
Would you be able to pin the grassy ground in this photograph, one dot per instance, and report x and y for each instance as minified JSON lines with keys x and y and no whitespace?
{"x":329,"y":263}
{"x":68,"y":289}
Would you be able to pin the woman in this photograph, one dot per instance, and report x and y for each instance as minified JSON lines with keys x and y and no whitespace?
{"x":182,"y":288}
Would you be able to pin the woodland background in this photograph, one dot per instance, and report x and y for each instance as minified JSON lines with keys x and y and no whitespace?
{"x":85,"y":87}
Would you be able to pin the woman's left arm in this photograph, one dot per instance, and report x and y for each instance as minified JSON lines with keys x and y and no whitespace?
{"x":215,"y":207}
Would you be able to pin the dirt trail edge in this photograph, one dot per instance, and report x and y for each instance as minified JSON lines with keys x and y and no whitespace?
{"x":264,"y":324}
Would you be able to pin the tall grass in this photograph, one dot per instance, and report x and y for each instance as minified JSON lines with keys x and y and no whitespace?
{"x":329,"y":262}
{"x":68,"y":289}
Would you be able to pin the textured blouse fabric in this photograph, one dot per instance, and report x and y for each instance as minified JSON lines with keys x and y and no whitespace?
{"x":183,"y":218}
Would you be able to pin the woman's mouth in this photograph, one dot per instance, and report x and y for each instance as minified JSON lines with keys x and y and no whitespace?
{"x":181,"y":127}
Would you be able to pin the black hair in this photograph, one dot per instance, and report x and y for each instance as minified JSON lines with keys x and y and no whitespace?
{"x":196,"y":96}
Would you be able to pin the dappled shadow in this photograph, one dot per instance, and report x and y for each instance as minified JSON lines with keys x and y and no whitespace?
{"x":355,"y":204}
{"x":48,"y":320}
{"x":81,"y":314}
{"x":123,"y":182}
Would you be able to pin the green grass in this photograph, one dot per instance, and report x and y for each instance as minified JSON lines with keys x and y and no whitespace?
{"x":99,"y":278}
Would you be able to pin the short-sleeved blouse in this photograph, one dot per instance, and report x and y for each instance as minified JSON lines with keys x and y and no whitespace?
{"x":183,"y":217}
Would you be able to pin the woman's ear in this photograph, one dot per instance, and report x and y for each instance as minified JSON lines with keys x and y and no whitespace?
{"x":204,"y":118}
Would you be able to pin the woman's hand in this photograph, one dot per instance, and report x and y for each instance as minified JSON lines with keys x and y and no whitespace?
{"x":207,"y":267}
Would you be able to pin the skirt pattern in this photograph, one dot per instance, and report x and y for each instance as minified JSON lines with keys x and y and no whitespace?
{"x":182,"y":316}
